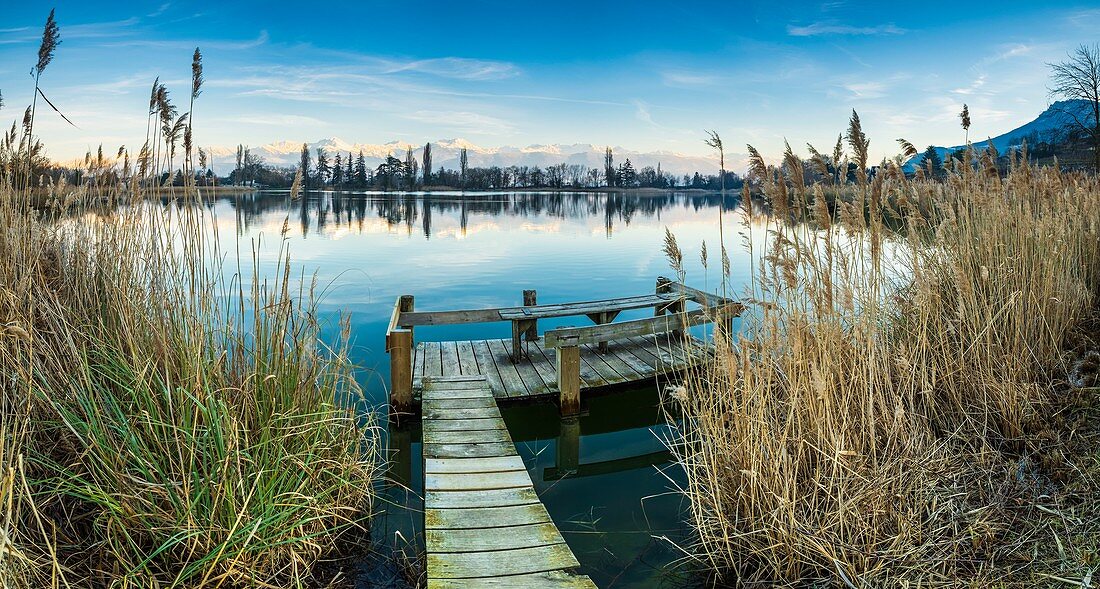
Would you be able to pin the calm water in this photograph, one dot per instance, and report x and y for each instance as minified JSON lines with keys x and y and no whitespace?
{"x":621,"y":513}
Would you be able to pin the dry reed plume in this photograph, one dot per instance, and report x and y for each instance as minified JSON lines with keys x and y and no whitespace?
{"x":162,"y":423}
{"x":894,"y":410}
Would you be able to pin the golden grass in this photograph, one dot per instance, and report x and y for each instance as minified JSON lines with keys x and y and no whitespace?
{"x":880,"y":418}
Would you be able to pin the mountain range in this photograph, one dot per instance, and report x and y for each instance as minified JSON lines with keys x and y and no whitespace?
{"x":1048,"y":126}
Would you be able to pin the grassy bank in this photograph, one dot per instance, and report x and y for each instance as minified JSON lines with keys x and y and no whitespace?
{"x":913,"y":407}
{"x":161,"y":426}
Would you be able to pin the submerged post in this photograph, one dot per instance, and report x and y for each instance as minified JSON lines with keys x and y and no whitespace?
{"x":569,"y":379}
{"x":399,"y":345}
{"x":569,"y":445}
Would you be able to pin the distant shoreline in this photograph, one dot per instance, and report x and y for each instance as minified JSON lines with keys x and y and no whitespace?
{"x":428,"y":190}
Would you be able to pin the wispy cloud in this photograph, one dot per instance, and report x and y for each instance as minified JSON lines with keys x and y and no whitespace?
{"x":160,"y":10}
{"x":463,"y":122}
{"x":866,"y":90}
{"x":974,"y":88}
{"x":459,"y":68}
{"x":688,"y":78}
{"x":830,"y":28}
{"x":274,"y":120}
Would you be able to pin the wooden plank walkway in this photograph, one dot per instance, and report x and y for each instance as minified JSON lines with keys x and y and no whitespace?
{"x":635,"y":359}
{"x":484,"y":525}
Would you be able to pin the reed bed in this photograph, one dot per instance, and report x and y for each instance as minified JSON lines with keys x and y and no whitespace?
{"x":165,"y":424}
{"x":896,"y":410}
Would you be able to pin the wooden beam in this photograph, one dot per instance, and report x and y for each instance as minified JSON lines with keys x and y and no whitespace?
{"x":411,"y":319}
{"x":576,"y":336}
{"x":569,"y":379}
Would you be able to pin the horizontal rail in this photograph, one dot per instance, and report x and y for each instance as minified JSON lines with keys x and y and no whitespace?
{"x":577,"y":336}
{"x":418,"y":318}
{"x":699,"y":296}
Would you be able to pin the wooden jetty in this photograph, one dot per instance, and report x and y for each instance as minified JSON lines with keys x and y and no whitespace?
{"x":484,"y":525}
{"x":567,"y":360}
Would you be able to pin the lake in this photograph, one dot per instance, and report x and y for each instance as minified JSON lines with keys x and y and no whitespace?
{"x":621,"y":514}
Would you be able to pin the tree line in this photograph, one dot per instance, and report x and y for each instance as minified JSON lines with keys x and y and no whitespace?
{"x":321,"y":169}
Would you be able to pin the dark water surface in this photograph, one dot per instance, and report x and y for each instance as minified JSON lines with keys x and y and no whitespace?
{"x":620,"y":512}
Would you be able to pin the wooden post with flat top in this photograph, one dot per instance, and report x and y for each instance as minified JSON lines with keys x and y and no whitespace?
{"x":530,"y":299}
{"x":399,"y":345}
{"x":569,"y":379}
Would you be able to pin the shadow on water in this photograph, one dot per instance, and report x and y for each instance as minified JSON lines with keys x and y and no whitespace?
{"x":605,"y":477}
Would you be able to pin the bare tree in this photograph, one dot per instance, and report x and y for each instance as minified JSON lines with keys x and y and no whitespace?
{"x":1078,"y":79}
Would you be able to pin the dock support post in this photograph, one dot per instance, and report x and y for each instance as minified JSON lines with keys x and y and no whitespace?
{"x":569,"y":379}
{"x":399,"y":345}
{"x":664,"y":286}
{"x":569,"y":445}
{"x":530,"y":299}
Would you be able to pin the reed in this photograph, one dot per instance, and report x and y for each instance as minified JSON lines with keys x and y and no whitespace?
{"x":165,"y":421}
{"x":893,"y":410}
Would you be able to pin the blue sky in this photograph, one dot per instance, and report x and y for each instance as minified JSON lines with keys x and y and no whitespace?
{"x":646,"y":76}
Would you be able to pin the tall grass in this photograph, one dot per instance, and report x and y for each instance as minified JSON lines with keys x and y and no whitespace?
{"x":163,"y":424}
{"x":872,"y":423}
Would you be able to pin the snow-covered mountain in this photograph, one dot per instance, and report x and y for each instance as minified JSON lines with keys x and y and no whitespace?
{"x":1047,"y":126}
{"x":445,"y":153}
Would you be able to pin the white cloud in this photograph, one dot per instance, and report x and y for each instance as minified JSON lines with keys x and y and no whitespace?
{"x":459,"y":68}
{"x":827,"y":28}
{"x":463,"y":121}
{"x":688,"y":78}
{"x":866,"y":90}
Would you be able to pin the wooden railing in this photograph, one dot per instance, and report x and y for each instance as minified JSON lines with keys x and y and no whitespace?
{"x":667,"y":302}
{"x":567,"y":342}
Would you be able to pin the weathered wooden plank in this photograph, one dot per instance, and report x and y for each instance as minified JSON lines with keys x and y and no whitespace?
{"x":544,"y":366}
{"x":467,"y":362}
{"x":432,"y":412}
{"x":433,"y":365}
{"x":466,"y":437}
{"x":488,"y":366}
{"x":412,"y":319}
{"x":488,"y":498}
{"x":470,"y":393}
{"x":463,"y":425}
{"x":478,"y":540}
{"x":491,"y":464}
{"x":450,"y":359}
{"x":645,"y":349}
{"x":585,"y":307}
{"x":509,"y":376}
{"x":469,"y":450}
{"x":600,"y":364}
{"x":482,"y":400}
{"x":453,"y":379}
{"x":485,"y":517}
{"x":571,"y":336}
{"x":462,"y":565}
{"x":418,"y":366}
{"x":622,"y":350}
{"x":476,"y":481}
{"x":547,"y":580}
{"x":532,"y":380}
